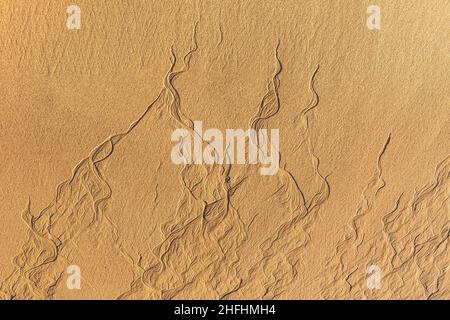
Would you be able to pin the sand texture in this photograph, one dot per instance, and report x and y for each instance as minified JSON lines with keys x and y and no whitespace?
{"x":359,"y":207}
